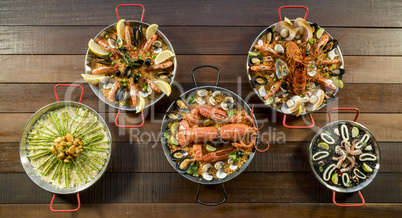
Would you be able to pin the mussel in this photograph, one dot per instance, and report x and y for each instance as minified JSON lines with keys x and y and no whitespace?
{"x":331,"y":45}
{"x":178,"y":155}
{"x":314,"y":27}
{"x":127,"y":71}
{"x":185,"y":164}
{"x":103,"y":60}
{"x":270,"y":36}
{"x":259,"y":80}
{"x":255,"y":60}
{"x":148,"y":61}
{"x":121,"y":95}
{"x":338,"y":72}
{"x":182,"y":105}
{"x":137,"y":32}
{"x":163,"y":75}
{"x":173,"y":116}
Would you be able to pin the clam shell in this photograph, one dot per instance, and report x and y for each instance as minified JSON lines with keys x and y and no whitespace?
{"x":219,"y":165}
{"x":143,"y":94}
{"x":206,"y":167}
{"x":220,"y":174}
{"x":319,"y":93}
{"x":212,"y":100}
{"x":158,"y":50}
{"x":307,"y":30}
{"x":216,"y":93}
{"x":104,"y":79}
{"x":281,"y":69}
{"x":202,"y":92}
{"x":262,"y":91}
{"x":200,"y":100}
{"x":285,"y":25}
{"x":279,"y":49}
{"x":297,"y":101}
{"x":157,"y":43}
{"x":207,"y":176}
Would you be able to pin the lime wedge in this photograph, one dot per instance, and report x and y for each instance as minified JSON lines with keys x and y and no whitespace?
{"x":367,"y":168}
{"x":355,"y":131}
{"x":269,"y":101}
{"x":323,"y":145}
{"x":319,"y":32}
{"x":298,"y":111}
{"x":253,"y":53}
{"x":211,"y":148}
{"x":173,"y":127}
{"x":338,"y":83}
{"x":173,"y":140}
{"x":288,"y":21}
{"x":334,"y":179}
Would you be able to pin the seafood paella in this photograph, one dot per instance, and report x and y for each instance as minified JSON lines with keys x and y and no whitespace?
{"x":295,"y":66}
{"x":209,"y":134}
{"x":131,"y":64}
{"x":345,"y":155}
{"x":67,"y":147}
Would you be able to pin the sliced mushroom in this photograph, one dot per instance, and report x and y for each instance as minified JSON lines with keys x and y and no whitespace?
{"x":290,"y":31}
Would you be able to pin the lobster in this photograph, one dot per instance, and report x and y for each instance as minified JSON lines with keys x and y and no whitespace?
{"x":208,"y":111}
{"x":212,"y":157}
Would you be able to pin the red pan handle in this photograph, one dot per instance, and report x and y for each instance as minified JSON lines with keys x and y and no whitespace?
{"x":298,"y":127}
{"x":292,"y":6}
{"x":129,"y":126}
{"x":55,"y":90}
{"x":79,"y":205}
{"x":348,"y":205}
{"x":125,"y":5}
{"x":344,"y":108}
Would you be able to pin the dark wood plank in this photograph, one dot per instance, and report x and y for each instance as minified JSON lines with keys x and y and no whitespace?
{"x":150,"y":132}
{"x":32,"y":97}
{"x":173,"y":188}
{"x":187,"y":209}
{"x":221,"y":13}
{"x":67,"y":68}
{"x":209,"y":40}
{"x":149,"y":157}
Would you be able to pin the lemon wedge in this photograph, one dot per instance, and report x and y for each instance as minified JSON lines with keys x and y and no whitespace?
{"x":92,"y":79}
{"x":97,"y":49}
{"x":163,"y":86}
{"x":140,"y":104}
{"x":120,"y":28}
{"x":151,"y":31}
{"x":163,"y":56}
{"x":288,"y":21}
{"x":298,"y":111}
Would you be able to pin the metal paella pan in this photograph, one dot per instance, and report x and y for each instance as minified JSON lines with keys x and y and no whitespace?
{"x":131,"y":64}
{"x":219,"y":152}
{"x":295,"y":66}
{"x":79,"y":157}
{"x":344,"y":156}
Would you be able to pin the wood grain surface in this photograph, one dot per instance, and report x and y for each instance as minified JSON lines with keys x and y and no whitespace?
{"x":43,"y":43}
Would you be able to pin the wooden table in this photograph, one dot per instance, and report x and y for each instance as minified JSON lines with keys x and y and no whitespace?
{"x":43,"y":43}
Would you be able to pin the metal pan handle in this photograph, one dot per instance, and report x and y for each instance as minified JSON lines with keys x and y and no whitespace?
{"x":73,"y":210}
{"x":125,"y":5}
{"x":217,"y":80}
{"x":211,"y":205}
{"x":129,"y":126}
{"x":55,"y":90}
{"x":344,"y":108}
{"x":298,"y":127}
{"x":348,"y":205}
{"x":292,"y":6}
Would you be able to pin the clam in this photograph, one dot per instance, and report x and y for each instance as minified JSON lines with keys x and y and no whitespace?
{"x":202,"y":92}
{"x":219,"y":165}
{"x":224,"y":106}
{"x":207,"y":176}
{"x":307,"y":30}
{"x":259,"y":80}
{"x":206,"y":167}
{"x":173,"y":116}
{"x":143,"y":94}
{"x":220,"y":174}
{"x":292,"y":104}
{"x":108,"y":85}
{"x":279,"y":49}
{"x":316,"y":100}
{"x":200,"y":100}
{"x":270,"y":36}
{"x":182,"y":105}
{"x":212,"y":100}
{"x":232,"y":166}
{"x":104,"y":79}
{"x":262,"y":91}
{"x":336,"y":131}
{"x":229,"y":100}
{"x":281,"y":69}
{"x":185,"y":164}
{"x":228,"y":103}
{"x":312,"y":72}
{"x":178,"y":155}
{"x":158,"y":50}
{"x":115,"y":42}
{"x":332,"y":54}
{"x":216,"y":93}
{"x":260,"y":42}
{"x":157,"y":43}
{"x":164,"y":76}
{"x":310,"y":85}
{"x":255,"y":60}
{"x":137,"y":32}
{"x":286,"y":30}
